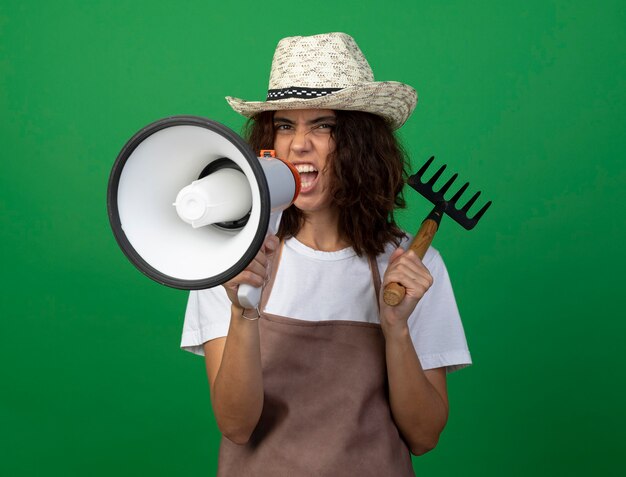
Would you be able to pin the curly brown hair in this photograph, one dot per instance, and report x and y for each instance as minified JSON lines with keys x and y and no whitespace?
{"x":368,"y":170}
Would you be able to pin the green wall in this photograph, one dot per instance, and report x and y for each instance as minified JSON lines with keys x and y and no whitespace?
{"x":524,"y":99}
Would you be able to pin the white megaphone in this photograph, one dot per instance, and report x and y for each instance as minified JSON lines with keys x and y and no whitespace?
{"x":190,"y":203}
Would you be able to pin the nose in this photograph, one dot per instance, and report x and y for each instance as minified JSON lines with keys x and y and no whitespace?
{"x":300,"y":142}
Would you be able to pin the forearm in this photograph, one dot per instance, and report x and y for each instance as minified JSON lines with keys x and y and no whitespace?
{"x":238,"y":389}
{"x":418,"y":409}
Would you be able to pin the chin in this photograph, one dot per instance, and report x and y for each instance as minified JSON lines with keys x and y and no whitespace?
{"x":311,"y":207}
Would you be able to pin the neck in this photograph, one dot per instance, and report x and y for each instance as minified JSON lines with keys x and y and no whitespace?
{"x":320,"y":231}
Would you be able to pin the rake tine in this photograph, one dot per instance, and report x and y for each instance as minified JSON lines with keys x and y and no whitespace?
{"x":436,"y":176}
{"x":447,"y":185}
{"x":420,"y":173}
{"x":470,"y":202}
{"x":480,"y":213}
{"x":459,"y":193}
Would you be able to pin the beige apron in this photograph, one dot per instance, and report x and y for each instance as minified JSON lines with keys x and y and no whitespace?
{"x":326,"y":409}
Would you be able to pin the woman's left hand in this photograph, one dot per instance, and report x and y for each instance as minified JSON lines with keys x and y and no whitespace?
{"x":407,"y":269}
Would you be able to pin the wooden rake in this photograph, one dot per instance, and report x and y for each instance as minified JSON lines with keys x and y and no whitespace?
{"x":394,"y":292}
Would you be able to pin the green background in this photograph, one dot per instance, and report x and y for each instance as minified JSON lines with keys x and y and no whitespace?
{"x":525,"y":100}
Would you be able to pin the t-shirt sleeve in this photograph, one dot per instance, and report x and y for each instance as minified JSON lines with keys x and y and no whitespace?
{"x":207,"y":317}
{"x":435,"y":325}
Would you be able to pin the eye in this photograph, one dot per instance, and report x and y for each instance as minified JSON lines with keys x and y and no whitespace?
{"x":324,"y":128}
{"x":282,"y":126}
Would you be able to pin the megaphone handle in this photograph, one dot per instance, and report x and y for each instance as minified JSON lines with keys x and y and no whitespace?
{"x":249,"y":296}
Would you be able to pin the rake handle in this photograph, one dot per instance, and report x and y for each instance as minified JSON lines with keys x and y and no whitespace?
{"x":394,"y":292}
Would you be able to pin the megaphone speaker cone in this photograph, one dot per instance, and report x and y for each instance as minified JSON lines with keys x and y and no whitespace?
{"x":159,"y":162}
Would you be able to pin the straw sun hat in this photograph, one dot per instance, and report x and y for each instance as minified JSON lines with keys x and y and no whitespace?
{"x":329,"y":71}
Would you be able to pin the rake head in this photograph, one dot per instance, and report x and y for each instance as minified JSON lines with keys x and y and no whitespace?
{"x":441,"y":204}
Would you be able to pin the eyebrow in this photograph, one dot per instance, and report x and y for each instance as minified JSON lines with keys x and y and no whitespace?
{"x":309,"y":123}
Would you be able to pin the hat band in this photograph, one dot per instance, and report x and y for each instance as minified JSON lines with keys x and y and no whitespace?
{"x":297,"y":92}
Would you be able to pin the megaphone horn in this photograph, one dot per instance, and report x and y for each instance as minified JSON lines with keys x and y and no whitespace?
{"x":190,"y":203}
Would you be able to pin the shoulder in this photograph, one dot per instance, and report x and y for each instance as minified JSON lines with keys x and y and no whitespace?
{"x":207,"y":317}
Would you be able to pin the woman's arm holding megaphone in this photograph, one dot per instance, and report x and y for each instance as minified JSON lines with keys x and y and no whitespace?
{"x":233,"y":363}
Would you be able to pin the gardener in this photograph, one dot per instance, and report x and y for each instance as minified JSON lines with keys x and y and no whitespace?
{"x":325,"y":378}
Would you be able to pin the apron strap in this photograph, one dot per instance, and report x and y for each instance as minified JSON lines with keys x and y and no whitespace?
{"x":375,"y":279}
{"x":267,"y":288}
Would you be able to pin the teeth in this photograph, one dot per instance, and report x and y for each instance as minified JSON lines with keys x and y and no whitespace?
{"x":305,"y":185}
{"x":305,"y":168}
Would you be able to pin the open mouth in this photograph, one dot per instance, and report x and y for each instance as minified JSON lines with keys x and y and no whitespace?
{"x":308,"y":176}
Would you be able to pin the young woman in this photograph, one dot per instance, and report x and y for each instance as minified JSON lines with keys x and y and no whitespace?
{"x":325,"y":378}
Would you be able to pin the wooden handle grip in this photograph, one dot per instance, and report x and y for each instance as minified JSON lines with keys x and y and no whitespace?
{"x":394,"y":292}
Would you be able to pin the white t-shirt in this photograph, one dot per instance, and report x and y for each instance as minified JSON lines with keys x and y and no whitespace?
{"x":318,"y":286}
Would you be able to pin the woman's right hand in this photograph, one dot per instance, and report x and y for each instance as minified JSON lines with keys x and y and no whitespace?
{"x":256,"y":273}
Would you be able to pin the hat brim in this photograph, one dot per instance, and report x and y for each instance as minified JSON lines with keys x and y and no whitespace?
{"x":392,"y":100}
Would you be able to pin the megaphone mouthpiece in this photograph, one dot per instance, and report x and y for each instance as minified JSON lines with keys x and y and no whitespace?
{"x":222,"y":196}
